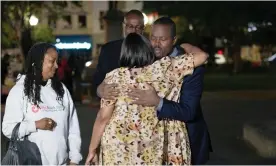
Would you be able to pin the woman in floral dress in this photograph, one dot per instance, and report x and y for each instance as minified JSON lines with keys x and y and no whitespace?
{"x":131,"y":134}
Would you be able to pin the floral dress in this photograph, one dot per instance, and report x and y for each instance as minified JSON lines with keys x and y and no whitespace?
{"x":134,"y":134}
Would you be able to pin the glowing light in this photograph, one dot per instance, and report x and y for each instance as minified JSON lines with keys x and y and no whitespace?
{"x":220,"y":59}
{"x":33,"y":20}
{"x":57,"y":40}
{"x":151,"y":19}
{"x":220,"y":52}
{"x":252,"y":27}
{"x":75,"y":45}
{"x":146,"y":19}
{"x":87,"y":64}
{"x":272,"y":58}
{"x":191,"y":27}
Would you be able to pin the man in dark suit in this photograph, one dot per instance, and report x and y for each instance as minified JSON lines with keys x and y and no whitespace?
{"x":188,"y":110}
{"x":110,"y":52}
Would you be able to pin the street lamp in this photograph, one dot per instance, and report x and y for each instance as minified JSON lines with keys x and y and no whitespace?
{"x":191,"y":27}
{"x":33,"y":20}
{"x":149,"y":19}
{"x":146,"y":19}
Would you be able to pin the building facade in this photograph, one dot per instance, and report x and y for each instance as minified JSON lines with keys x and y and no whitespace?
{"x":83,"y":27}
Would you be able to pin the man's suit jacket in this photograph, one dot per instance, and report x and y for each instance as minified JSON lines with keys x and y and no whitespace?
{"x":189,"y":111}
{"x":108,"y":61}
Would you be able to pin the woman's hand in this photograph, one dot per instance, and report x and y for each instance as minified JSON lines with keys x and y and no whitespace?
{"x":92,"y":158}
{"x":200,"y":57}
{"x":190,"y":48}
{"x":45,"y":124}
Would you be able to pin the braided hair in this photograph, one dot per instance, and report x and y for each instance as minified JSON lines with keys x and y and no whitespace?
{"x":33,"y":71}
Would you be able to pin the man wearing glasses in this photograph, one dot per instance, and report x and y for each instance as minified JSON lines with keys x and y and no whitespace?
{"x":110,"y":52}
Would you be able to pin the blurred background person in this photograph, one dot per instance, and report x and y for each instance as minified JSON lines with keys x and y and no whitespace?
{"x":65,"y":74}
{"x":110,"y":52}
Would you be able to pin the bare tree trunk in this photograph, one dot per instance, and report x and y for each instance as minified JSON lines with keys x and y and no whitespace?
{"x":26,"y":41}
{"x":17,"y":25}
{"x":237,"y":61}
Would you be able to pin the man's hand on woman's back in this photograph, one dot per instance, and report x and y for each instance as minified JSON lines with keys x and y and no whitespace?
{"x":147,"y":97}
{"x":108,"y":91}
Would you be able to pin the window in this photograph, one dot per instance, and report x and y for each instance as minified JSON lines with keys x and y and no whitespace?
{"x":101,"y":20}
{"x":67,"y":23}
{"x":82,"y":21}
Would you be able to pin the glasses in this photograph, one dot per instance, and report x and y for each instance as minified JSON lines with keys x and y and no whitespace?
{"x":137,"y":28}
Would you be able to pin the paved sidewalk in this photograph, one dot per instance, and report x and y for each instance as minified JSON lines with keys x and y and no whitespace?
{"x":225,"y":113}
{"x":249,"y":94}
{"x":262,"y":136}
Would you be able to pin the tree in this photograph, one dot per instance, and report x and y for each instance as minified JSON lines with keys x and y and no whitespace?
{"x":15,"y":19}
{"x":217,"y":19}
{"x":8,"y":36}
{"x":182,"y":25}
{"x":43,"y":33}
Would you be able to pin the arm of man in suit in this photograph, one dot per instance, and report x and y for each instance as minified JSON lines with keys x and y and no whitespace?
{"x":190,"y":96}
{"x":191,"y":92}
{"x":101,"y":89}
{"x":186,"y":109}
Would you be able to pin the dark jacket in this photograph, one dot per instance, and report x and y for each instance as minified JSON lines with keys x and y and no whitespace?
{"x":189,"y":111}
{"x":108,"y":61}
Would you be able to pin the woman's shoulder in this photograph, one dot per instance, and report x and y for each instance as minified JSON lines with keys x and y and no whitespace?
{"x":160,"y":65}
{"x":114,"y":72}
{"x":118,"y":73}
{"x":16,"y":92}
{"x":65,"y":88}
{"x":17,"y":88}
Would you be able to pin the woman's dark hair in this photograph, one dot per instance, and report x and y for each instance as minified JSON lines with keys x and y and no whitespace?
{"x":136,"y":51}
{"x":33,"y":72}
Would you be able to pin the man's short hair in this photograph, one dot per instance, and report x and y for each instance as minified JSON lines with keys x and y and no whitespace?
{"x":135,"y":12}
{"x":167,"y":21}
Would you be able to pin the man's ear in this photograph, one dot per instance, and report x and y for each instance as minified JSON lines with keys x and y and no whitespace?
{"x":174,"y":40}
